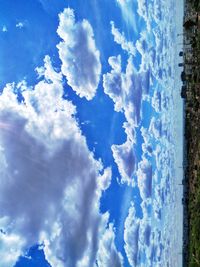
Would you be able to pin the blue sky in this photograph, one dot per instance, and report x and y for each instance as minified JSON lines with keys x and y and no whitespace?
{"x":88,"y":134}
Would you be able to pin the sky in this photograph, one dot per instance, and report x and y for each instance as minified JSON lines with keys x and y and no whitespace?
{"x":91,"y":133}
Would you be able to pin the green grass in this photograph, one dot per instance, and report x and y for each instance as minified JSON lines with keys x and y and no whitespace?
{"x":194,"y":224}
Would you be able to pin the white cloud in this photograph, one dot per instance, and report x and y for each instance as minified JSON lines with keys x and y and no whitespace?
{"x":158,"y":201}
{"x":145,"y":135}
{"x":144,"y":175}
{"x":105,"y":179}
{"x":112,"y":83}
{"x":4,"y":29}
{"x":115,"y":63}
{"x":10,"y":244}
{"x":144,"y":47}
{"x":47,"y":71}
{"x":156,"y":101}
{"x":80,"y":58}
{"x":126,"y":90}
{"x":10,"y":249}
{"x":123,"y":2}
{"x":124,"y":156}
{"x":157,"y":194}
{"x":108,"y":255}
{"x":147,"y":146}
{"x":154,"y":44}
{"x":142,"y":236}
{"x":19,"y":25}
{"x":120,"y":39}
{"x":155,"y":246}
{"x":131,"y":236}
{"x":50,"y":188}
{"x":143,"y":12}
{"x":153,"y":12}
{"x":143,"y":239}
{"x":155,"y":127}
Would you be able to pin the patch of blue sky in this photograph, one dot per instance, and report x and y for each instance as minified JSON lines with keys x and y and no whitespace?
{"x":101,"y":125}
{"x":54,"y":8}
{"x":147,"y":112}
{"x":36,"y":38}
{"x":137,"y":60}
{"x":34,"y":257}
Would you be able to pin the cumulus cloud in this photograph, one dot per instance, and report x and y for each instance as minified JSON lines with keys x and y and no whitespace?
{"x":50,"y":181}
{"x":105,"y":180}
{"x":147,"y":146}
{"x":143,"y":237}
{"x":155,"y":127}
{"x":156,"y":101}
{"x":126,"y":89}
{"x":47,"y":71}
{"x":137,"y":237}
{"x":112,"y":83}
{"x":144,"y":175}
{"x":156,"y":193}
{"x":124,"y":156}
{"x":108,"y":255}
{"x":157,"y":148}
{"x":143,"y":240}
{"x":143,"y":12}
{"x":145,"y":47}
{"x":154,"y":44}
{"x":120,"y":39}
{"x":10,"y":245}
{"x":153,"y":12}
{"x":79,"y":55}
{"x":155,"y":171}
{"x":131,"y":236}
{"x":158,"y":201}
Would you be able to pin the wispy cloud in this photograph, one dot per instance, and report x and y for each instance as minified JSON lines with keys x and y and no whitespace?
{"x":128,"y":13}
{"x":126,"y":89}
{"x":125,"y":158}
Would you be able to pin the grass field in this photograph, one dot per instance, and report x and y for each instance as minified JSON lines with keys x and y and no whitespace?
{"x":193,"y":140}
{"x":194,"y":224}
